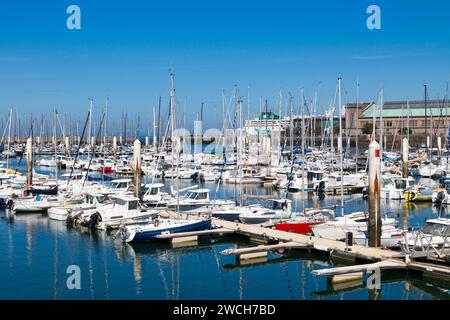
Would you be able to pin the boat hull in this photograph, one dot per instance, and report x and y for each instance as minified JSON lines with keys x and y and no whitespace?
{"x":151,"y":235}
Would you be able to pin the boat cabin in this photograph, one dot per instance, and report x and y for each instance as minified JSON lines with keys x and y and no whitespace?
{"x":198,"y":194}
{"x":120,"y":185}
{"x":152,"y":188}
{"x":281,"y":204}
{"x":96,"y":198}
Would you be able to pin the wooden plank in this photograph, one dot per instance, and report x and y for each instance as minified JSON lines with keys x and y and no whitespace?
{"x":194,"y":233}
{"x":318,"y":243}
{"x":263,"y":248}
{"x":386,"y":264}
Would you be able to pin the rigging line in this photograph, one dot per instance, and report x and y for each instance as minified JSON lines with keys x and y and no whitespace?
{"x":78,"y":149}
{"x":93,"y":148}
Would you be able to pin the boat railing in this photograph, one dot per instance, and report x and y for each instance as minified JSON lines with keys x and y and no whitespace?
{"x":423,"y":243}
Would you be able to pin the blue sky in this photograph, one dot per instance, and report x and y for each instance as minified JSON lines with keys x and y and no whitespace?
{"x":125,"y":49}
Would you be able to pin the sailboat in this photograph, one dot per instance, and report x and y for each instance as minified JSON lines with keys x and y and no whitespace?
{"x":157,"y":226}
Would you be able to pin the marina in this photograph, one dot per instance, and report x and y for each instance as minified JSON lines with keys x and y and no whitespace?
{"x":216,"y":158}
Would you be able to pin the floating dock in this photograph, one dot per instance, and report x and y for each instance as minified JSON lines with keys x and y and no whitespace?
{"x":374,"y":258}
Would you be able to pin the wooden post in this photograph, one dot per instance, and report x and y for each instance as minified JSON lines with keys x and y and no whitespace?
{"x":405,"y":157}
{"x":137,"y":168}
{"x":374,"y":195}
{"x":29,"y":161}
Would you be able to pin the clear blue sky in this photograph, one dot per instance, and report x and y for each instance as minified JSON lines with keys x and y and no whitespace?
{"x":125,"y":48}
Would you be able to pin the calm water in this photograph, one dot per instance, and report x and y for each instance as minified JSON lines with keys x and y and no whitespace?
{"x":35,"y":253}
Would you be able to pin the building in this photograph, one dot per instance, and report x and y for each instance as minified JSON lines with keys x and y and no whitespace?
{"x":431,"y":118}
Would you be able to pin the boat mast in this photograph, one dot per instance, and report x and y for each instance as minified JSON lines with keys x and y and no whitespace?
{"x":303,"y":150}
{"x":55,"y":145}
{"x":9,"y":139}
{"x":357,"y":125}
{"x":340,"y":143}
{"x":90,"y":126}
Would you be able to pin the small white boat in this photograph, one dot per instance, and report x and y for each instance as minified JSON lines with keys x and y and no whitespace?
{"x":91,"y":201}
{"x":393,"y":187}
{"x":125,"y":210}
{"x":198,"y":201}
{"x":153,"y":196}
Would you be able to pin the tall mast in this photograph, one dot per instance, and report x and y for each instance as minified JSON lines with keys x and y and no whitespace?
{"x":340,"y":142}
{"x":303,"y":150}
{"x":90,"y":126}
{"x":357,"y":124}
{"x":426,"y":113}
{"x":9,"y":138}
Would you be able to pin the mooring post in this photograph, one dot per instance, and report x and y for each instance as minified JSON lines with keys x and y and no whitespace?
{"x":439,"y":145}
{"x":137,"y":168}
{"x":114,"y":149}
{"x":374,"y":195}
{"x":29,"y":161}
{"x":66,"y":140}
{"x":405,"y":157}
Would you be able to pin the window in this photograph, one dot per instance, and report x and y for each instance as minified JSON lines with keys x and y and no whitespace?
{"x":132,"y":205}
{"x":202,"y":196}
{"x":400,"y":184}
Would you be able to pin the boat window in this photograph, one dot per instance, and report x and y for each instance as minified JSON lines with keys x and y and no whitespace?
{"x":400,"y":184}
{"x":154,"y":191}
{"x":112,"y":185}
{"x":277,"y":205}
{"x":192,"y":195}
{"x":101,"y":198}
{"x":122,"y":185}
{"x":202,"y":196}
{"x":132,"y":205}
{"x":89,"y":199}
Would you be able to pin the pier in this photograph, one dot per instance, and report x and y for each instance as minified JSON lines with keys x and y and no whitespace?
{"x":430,"y":264}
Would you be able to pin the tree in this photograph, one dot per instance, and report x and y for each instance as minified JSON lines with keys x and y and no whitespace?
{"x":367,"y":128}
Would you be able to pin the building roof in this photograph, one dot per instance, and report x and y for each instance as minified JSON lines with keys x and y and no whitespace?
{"x":397,"y":109}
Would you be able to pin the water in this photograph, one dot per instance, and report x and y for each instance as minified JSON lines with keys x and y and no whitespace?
{"x":36,"y":252}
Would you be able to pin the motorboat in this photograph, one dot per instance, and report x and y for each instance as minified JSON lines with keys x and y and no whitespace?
{"x":281,"y":209}
{"x":198,"y":201}
{"x":159,"y":226}
{"x":393,"y":187}
{"x":418,"y":194}
{"x":153,"y":196}
{"x":90,"y":201}
{"x":125,"y":210}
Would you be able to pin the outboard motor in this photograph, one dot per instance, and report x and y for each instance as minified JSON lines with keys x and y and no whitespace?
{"x":440,"y":197}
{"x":365,"y":193}
{"x":93,"y":221}
{"x":72,"y":218}
{"x":321,"y":189}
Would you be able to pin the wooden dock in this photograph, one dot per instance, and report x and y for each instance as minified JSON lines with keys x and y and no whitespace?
{"x":273,"y":239}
